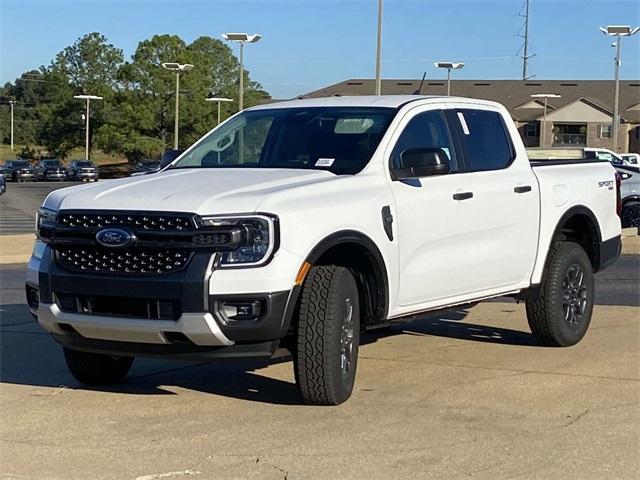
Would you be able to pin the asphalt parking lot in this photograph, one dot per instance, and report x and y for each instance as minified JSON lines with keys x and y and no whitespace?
{"x":463,"y":394}
{"x":19,"y":204}
{"x":457,"y":395}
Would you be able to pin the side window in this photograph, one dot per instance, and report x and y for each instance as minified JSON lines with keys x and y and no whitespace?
{"x":485,"y":137}
{"x":425,"y":130}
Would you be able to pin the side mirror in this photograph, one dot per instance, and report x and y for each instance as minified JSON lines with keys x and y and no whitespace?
{"x":169,"y":156}
{"x":421,"y":162}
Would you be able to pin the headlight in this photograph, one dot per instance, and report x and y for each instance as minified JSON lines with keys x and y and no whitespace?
{"x":259,"y":238}
{"x":44,"y":215}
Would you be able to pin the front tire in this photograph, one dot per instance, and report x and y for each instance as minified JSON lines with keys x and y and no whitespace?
{"x":96,"y":368}
{"x":328,"y":336}
{"x":561,"y":314}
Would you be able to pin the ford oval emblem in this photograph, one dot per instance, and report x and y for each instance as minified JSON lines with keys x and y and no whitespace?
{"x":114,"y":237}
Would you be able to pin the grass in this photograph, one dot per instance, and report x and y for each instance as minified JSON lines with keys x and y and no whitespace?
{"x":98,"y":156}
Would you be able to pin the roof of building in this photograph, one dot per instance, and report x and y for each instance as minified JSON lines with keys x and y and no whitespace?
{"x":513,"y":94}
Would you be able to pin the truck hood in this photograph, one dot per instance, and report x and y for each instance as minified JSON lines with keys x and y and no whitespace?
{"x":197,"y":190}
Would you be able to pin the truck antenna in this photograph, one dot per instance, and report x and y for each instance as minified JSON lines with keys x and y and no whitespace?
{"x":419,"y":90}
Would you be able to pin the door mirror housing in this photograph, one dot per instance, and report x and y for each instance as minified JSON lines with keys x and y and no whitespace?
{"x":421,"y":162}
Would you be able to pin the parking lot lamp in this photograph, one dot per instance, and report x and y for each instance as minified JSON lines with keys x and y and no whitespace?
{"x":546,"y":97}
{"x":178,"y":68}
{"x":241,"y":38}
{"x":218,"y":100}
{"x":88,"y":99}
{"x":617,"y":31}
{"x":449,"y":66}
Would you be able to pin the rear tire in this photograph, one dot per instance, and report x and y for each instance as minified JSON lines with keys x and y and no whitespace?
{"x":96,"y":368}
{"x":328,"y":336}
{"x":631,"y":215}
{"x":561,"y":314}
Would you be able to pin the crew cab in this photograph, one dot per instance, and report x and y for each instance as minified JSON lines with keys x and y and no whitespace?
{"x":302,"y":224}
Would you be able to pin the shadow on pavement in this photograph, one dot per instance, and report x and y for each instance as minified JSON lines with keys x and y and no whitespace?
{"x":29,"y":356}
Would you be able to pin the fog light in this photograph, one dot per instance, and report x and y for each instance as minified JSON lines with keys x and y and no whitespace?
{"x":33,"y":297}
{"x":241,"y":311}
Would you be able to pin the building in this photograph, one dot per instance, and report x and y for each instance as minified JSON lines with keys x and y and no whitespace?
{"x":581,"y":117}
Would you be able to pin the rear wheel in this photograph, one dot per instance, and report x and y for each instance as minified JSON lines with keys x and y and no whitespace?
{"x":97,"y":368}
{"x":328,"y":336}
{"x":561,"y":314}
{"x":631,"y":215}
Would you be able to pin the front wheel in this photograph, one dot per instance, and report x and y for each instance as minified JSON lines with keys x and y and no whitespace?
{"x":561,"y":314}
{"x":328,"y":336}
{"x":97,"y":368}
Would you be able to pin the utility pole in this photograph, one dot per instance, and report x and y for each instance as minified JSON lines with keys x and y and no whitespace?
{"x":87,"y":98}
{"x":525,"y":46}
{"x":379,"y":51}
{"x":11,"y":104}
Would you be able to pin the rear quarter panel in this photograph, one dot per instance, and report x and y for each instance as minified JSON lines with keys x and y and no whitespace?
{"x":562,"y":187}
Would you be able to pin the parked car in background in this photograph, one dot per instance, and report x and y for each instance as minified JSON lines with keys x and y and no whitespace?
{"x":632,"y":159}
{"x":19,"y":170}
{"x":51,"y":169}
{"x":574,"y":153}
{"x":630,"y":195}
{"x":3,"y":184}
{"x":144,"y":167}
{"x":81,"y":170}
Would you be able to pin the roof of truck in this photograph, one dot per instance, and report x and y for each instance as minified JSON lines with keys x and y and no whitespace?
{"x":392,"y":101}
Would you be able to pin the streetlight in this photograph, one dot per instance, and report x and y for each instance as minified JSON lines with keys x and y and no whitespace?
{"x":178,"y":68}
{"x":219,"y":100}
{"x":546,"y":97}
{"x":449,"y":66}
{"x":88,"y":98}
{"x":379,"y":50}
{"x":241,"y":38}
{"x":11,"y":104}
{"x":617,"y":31}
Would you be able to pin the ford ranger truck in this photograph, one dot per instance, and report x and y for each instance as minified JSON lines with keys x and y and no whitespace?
{"x":301,"y":224}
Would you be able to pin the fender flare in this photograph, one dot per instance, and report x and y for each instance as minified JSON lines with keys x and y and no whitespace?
{"x":359,"y":238}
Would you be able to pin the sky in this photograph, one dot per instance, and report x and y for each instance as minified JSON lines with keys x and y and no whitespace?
{"x":309,"y":44}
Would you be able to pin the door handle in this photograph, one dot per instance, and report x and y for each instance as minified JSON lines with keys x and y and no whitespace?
{"x":462,"y":196}
{"x":522,"y":189}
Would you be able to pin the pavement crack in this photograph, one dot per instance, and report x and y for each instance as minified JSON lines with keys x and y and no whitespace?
{"x":578,"y":417}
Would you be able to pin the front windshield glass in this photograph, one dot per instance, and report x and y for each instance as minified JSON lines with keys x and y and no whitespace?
{"x":338,"y":139}
{"x":51,"y":163}
{"x":21,"y":164}
{"x":84,"y":164}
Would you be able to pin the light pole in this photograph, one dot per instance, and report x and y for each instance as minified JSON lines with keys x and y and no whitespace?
{"x":11,"y":104}
{"x":88,"y":99}
{"x":178,"y":68}
{"x":617,"y":31}
{"x":379,"y":50}
{"x":241,"y":38}
{"x":218,"y":100}
{"x":449,"y":66}
{"x":546,"y":97}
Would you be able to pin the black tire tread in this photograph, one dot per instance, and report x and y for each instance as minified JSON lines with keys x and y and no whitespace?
{"x":316,"y":342}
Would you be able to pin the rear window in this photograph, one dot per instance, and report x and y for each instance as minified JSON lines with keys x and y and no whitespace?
{"x":484,"y":135}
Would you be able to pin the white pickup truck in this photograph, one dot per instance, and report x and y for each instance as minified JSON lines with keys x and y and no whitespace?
{"x":302,"y":224}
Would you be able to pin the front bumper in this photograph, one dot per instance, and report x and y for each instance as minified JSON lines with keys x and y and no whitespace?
{"x":86,"y":175}
{"x":55,"y":176}
{"x":25,"y":176}
{"x":202,"y":330}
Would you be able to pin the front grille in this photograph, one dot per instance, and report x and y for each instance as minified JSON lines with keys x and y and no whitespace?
{"x":140,"y":222}
{"x":146,"y":308}
{"x":122,"y":261}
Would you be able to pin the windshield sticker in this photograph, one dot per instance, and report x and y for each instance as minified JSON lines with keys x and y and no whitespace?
{"x":325,"y":162}
{"x":463,"y":122}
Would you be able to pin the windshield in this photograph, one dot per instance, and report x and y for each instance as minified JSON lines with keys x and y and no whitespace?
{"x":338,"y":139}
{"x":84,"y":164}
{"x":22,"y":164}
{"x":51,"y":163}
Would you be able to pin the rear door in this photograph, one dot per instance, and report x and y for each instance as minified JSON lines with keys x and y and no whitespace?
{"x":502,"y":208}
